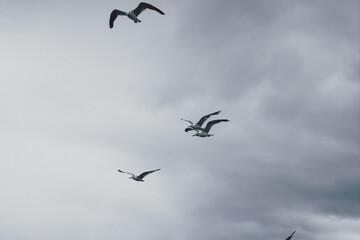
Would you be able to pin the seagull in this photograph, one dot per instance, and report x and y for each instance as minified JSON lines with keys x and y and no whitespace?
{"x":289,"y":237}
{"x":205,"y":132}
{"x":132,"y":14}
{"x":141,"y":176}
{"x":198,"y":125}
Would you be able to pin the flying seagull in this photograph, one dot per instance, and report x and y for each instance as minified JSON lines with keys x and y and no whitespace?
{"x":198,"y":125}
{"x":205,"y":132}
{"x":133,"y":15}
{"x":141,"y":176}
{"x":289,"y":237}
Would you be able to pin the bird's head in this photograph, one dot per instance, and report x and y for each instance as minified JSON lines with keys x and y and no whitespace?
{"x":188,"y":129}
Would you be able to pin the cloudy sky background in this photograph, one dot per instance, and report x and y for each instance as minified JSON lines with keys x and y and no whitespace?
{"x":79,"y":101}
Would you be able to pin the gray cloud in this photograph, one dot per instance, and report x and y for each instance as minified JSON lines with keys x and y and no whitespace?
{"x":78,"y":101}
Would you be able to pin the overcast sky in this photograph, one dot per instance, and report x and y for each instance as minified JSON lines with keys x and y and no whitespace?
{"x":79,"y":100}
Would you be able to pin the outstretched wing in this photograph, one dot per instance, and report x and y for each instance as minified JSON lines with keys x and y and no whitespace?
{"x":204,"y":118}
{"x":146,"y":173}
{"x":289,"y":237}
{"x":114,"y":15}
{"x":126,"y":172}
{"x":187,"y":121}
{"x":142,"y":6}
{"x":212,"y":123}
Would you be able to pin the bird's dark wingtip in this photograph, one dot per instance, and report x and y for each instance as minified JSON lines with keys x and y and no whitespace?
{"x":111,"y":24}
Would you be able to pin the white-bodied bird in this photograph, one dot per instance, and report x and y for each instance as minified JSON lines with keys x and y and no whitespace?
{"x":197,"y":126}
{"x":289,"y":237}
{"x":139,"y":177}
{"x":205,"y":132}
{"x":133,"y":15}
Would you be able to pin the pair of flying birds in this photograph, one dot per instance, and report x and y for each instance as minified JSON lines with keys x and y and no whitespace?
{"x":200,"y":131}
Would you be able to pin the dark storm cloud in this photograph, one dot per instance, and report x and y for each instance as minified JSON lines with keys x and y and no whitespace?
{"x":270,"y":193}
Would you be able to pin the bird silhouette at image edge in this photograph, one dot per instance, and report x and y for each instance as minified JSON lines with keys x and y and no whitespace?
{"x":289,"y":237}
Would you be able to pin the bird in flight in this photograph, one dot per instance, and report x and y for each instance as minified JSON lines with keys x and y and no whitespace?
{"x":140,"y":177}
{"x":289,"y":237}
{"x":205,"y":132}
{"x":197,"y":126}
{"x":133,"y":15}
